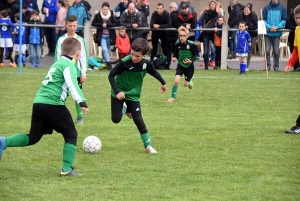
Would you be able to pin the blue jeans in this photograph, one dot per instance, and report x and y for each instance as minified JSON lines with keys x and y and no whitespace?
{"x":212,"y":51}
{"x":105,"y":45}
{"x":274,"y":41}
{"x":35,"y":52}
{"x":206,"y":39}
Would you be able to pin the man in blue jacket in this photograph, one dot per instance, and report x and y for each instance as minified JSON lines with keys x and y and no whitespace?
{"x":78,"y":10}
{"x":274,"y":16}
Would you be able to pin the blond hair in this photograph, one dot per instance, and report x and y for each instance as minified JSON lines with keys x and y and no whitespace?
{"x":184,"y":29}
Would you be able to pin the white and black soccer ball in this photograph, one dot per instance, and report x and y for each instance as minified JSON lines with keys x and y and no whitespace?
{"x":91,"y":144}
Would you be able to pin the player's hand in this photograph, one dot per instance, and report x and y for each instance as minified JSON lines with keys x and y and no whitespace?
{"x":287,"y":69}
{"x":83,"y":78}
{"x":121,"y":95}
{"x":187,"y":61}
{"x":163,"y":88}
{"x":174,"y":59}
{"x":84,"y":109}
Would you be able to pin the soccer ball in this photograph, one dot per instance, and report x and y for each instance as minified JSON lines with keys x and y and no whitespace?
{"x":91,"y":144}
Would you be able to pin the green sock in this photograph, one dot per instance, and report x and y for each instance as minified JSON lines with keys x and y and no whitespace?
{"x":146,"y":139}
{"x":174,"y":91}
{"x":78,"y":110}
{"x":191,"y":83}
{"x":69,"y":153}
{"x":123,"y":111}
{"x":17,"y":140}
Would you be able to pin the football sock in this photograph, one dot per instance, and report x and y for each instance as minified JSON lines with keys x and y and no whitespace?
{"x":174,"y":91}
{"x":17,"y":140}
{"x":243,"y":67}
{"x":191,"y":83}
{"x":78,"y":110}
{"x":146,"y":139}
{"x":123,"y":111}
{"x":24,"y":58}
{"x":69,"y":152}
{"x":17,"y":59}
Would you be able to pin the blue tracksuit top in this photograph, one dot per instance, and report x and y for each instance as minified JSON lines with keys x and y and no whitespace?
{"x":53,"y":9}
{"x":5,"y":30}
{"x":34,"y":33}
{"x":22,"y":32}
{"x":274,"y":15}
{"x":243,"y":38}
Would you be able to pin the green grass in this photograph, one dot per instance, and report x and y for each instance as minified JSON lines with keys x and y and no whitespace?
{"x":222,"y":140}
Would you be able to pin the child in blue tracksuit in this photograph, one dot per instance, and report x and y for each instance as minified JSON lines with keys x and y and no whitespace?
{"x":6,"y":39}
{"x":243,"y":46}
{"x":35,"y":39}
{"x":17,"y":41}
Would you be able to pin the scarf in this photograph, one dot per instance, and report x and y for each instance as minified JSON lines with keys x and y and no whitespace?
{"x":105,"y":17}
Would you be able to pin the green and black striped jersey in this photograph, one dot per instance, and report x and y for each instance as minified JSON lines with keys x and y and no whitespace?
{"x":61,"y":80}
{"x":128,"y":77}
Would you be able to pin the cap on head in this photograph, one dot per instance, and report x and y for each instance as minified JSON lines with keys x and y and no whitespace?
{"x":184,"y":5}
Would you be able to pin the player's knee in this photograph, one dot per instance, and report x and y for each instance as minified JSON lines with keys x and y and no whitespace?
{"x":71,"y":138}
{"x":33,"y":139}
{"x":116,"y":119}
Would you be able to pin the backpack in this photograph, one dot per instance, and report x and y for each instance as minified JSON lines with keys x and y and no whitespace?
{"x":160,"y":62}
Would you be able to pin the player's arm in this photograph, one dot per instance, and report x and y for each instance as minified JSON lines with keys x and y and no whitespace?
{"x":69,"y":74}
{"x":83,"y":60}
{"x":293,"y":60}
{"x":57,"y":54}
{"x":114,"y":72}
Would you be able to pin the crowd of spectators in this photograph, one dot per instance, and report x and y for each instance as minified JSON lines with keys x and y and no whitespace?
{"x":136,"y":14}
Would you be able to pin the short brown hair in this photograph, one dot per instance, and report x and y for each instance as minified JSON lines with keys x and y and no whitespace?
{"x":70,"y":46}
{"x":4,"y":13}
{"x":35,"y":12}
{"x":140,"y":45}
{"x":17,"y":16}
{"x":122,"y":28}
{"x":297,"y":10}
{"x":71,"y":18}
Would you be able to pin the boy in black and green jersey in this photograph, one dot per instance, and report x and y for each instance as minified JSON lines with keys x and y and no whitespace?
{"x":126,"y":80}
{"x":71,"y":26}
{"x":185,"y":52}
{"x":49,"y":111}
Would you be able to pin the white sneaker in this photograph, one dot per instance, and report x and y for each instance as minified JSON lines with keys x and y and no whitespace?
{"x":247,"y":69}
{"x":150,"y":150}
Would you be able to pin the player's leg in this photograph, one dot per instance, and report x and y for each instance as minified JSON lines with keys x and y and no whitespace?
{"x":178,"y":74}
{"x":295,"y":129}
{"x":243,"y":65}
{"x":189,"y":73}
{"x":117,"y":110}
{"x":24,"y":55}
{"x":9,"y":45}
{"x":62,"y":122}
{"x":135,"y":108}
{"x":78,"y":109}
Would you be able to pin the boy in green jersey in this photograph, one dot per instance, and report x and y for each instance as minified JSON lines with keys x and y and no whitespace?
{"x":185,"y":52}
{"x":126,"y":80}
{"x":49,"y":111}
{"x":71,"y":26}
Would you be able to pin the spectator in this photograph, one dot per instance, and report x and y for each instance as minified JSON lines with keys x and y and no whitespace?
{"x":61,"y":18}
{"x":104,"y":19}
{"x":26,"y":14}
{"x":131,"y":18}
{"x":233,"y":23}
{"x":187,"y":18}
{"x":208,"y":20}
{"x":251,"y":26}
{"x":144,"y":7}
{"x":14,"y":8}
{"x":120,"y":8}
{"x":49,"y":9}
{"x":31,"y":5}
{"x":160,"y":19}
{"x":88,"y":8}
{"x":291,"y":24}
{"x":123,"y":43}
{"x":191,"y":8}
{"x":274,"y":16}
{"x":173,"y":35}
{"x":143,"y":33}
{"x":79,"y":11}
{"x":219,"y":9}
{"x":6,"y":37}
{"x":35,"y":37}
{"x":218,"y":40}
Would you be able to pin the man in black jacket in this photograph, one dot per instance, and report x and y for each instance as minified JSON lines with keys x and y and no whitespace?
{"x":14,"y":8}
{"x":160,"y":19}
{"x":173,"y":35}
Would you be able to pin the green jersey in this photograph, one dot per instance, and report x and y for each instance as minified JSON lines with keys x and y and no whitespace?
{"x":83,"y":61}
{"x":187,"y":50}
{"x":59,"y":82}
{"x":128,"y":77}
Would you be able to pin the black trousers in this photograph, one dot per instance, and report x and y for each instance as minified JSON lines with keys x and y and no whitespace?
{"x":164,"y":39}
{"x":218,"y":56}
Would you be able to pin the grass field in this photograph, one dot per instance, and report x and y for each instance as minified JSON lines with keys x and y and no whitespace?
{"x":222,"y":140}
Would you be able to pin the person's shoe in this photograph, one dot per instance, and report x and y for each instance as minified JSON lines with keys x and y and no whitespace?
{"x":150,"y":150}
{"x":103,"y":66}
{"x":206,"y":68}
{"x":1,"y":64}
{"x":247,"y":69}
{"x":242,"y":73}
{"x":293,"y":130}
{"x":72,"y":173}
{"x":171,"y":100}
{"x":212,"y":63}
{"x":13,"y":65}
{"x":50,"y":54}
{"x":24,"y":65}
{"x":79,"y":120}
{"x":191,"y":85}
{"x":276,"y":69}
{"x":2,"y":145}
{"x":296,"y":69}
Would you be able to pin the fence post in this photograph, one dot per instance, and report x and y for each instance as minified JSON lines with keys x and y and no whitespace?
{"x":87,"y":35}
{"x":224,"y":48}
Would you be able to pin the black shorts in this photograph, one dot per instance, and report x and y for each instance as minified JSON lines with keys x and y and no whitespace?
{"x":187,"y":72}
{"x":46,"y":118}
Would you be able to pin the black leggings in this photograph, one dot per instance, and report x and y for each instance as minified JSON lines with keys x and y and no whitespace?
{"x":133,"y":107}
{"x":10,"y":49}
